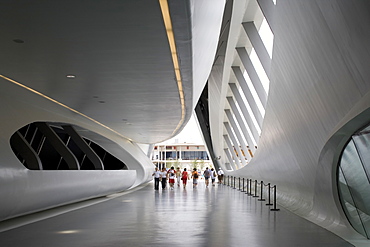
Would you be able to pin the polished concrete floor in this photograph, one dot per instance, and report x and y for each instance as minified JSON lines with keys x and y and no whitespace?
{"x":214,"y":216}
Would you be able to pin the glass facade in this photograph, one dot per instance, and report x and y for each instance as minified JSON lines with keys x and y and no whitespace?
{"x":186,"y":155}
{"x":194,"y":155}
{"x":354,"y":181}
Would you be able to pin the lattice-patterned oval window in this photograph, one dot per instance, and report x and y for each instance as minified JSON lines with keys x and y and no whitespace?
{"x":354,"y":181}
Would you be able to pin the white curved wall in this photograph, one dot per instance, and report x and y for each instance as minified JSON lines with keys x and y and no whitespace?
{"x":319,"y":81}
{"x":206,"y":23}
{"x":24,"y":191}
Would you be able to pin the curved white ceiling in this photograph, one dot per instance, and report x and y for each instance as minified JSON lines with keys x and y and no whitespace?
{"x":120,"y":56}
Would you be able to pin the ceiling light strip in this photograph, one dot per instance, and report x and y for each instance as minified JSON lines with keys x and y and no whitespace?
{"x":63,"y":105}
{"x":175,"y":60}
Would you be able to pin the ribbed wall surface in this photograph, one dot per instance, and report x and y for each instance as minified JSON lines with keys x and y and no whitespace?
{"x":318,"y":83}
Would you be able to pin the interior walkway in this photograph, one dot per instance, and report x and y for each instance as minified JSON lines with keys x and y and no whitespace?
{"x":214,"y":216}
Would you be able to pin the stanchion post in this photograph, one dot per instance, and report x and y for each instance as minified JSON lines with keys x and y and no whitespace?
{"x":247,"y":186}
{"x":269,"y":192}
{"x":243,"y":186}
{"x":239,"y":183}
{"x":250,"y":187}
{"x":261,"y":199}
{"x":255,"y":188}
{"x":234,"y":184}
{"x":274,"y":209}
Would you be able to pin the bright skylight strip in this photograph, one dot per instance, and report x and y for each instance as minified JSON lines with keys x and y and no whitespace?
{"x":267,"y":36}
{"x":171,"y":40}
{"x":245,"y":123}
{"x":260,"y":70}
{"x":253,"y":91}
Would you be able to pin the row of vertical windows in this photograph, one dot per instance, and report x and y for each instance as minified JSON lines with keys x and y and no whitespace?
{"x":185,"y":155}
{"x":249,"y":88}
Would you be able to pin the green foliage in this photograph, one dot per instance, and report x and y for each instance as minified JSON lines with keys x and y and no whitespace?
{"x":195,"y":164}
{"x":202,"y":164}
{"x":176,"y":164}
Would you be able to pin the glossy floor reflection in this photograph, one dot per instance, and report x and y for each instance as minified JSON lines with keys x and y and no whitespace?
{"x":214,"y":216}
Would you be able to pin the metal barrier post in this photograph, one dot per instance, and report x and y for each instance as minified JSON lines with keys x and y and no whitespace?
{"x":255,"y":188}
{"x":247,"y":186}
{"x":250,"y":187}
{"x":261,"y":199}
{"x":234,"y":184}
{"x":239,"y":183}
{"x":274,"y":209}
{"x":243,"y":186}
{"x":269,"y":204}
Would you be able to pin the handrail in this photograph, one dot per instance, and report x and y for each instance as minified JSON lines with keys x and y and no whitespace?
{"x":257,"y":184}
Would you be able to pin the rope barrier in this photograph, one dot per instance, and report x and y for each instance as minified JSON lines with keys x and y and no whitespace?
{"x":249,"y":189}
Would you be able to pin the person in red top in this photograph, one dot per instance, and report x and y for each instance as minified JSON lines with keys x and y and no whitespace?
{"x":171,"y":177}
{"x":184,"y":177}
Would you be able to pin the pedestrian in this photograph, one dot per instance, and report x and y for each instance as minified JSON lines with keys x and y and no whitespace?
{"x":178,"y":176}
{"x":157,"y":175}
{"x":171,"y":177}
{"x":220,"y":175}
{"x":184,"y":177}
{"x":163,"y":178}
{"x":207,"y":174}
{"x":213,"y":176}
{"x":195,"y":176}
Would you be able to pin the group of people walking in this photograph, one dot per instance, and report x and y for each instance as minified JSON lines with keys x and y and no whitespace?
{"x":172,"y":175}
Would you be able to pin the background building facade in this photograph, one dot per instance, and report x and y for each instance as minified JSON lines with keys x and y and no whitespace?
{"x":183,"y":155}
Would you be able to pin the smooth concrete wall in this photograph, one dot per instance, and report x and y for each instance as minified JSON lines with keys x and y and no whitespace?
{"x":320,"y":80}
{"x":24,"y":191}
